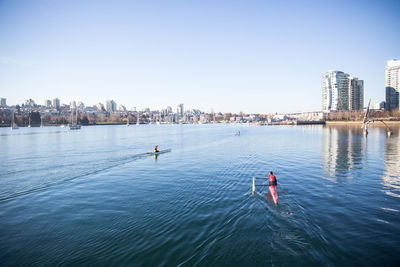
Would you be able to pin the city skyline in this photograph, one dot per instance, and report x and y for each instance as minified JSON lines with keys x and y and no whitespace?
{"x":255,"y":57}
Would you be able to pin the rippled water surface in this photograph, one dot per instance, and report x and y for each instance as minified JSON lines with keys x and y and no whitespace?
{"x":94,"y":197}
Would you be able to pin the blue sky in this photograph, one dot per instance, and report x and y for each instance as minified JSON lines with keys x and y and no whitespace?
{"x":250,"y":56}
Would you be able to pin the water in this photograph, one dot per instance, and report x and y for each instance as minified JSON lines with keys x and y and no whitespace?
{"x":93,"y":197}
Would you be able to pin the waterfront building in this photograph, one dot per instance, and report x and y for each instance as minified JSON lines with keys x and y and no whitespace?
{"x":29,"y":102}
{"x":80,"y":105}
{"x":111,"y":106}
{"x":180,"y":110}
{"x":100,"y":107}
{"x":47,"y":103}
{"x":56,"y":103}
{"x":356,"y":94}
{"x":378,"y":106}
{"x":392,"y":84}
{"x":341,"y":92}
{"x":334,"y":90}
{"x":3,"y":102}
{"x":72,"y":104}
{"x":311,"y":116}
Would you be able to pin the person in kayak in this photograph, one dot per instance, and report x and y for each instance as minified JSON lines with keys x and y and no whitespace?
{"x":272,"y":179}
{"x":156,"y":149}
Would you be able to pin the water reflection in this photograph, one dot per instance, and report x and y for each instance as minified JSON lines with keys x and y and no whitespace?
{"x":343,"y":149}
{"x":391,"y":177}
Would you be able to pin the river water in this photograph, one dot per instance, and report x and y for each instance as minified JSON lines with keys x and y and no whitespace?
{"x":92,"y":196}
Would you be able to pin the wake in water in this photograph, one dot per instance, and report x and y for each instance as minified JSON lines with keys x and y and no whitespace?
{"x":103,"y":163}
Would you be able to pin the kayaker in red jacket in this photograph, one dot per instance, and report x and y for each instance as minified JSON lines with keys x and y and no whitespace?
{"x":272,"y":179}
{"x":156,"y":149}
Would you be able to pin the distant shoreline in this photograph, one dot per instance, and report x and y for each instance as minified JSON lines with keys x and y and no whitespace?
{"x":300,"y":123}
{"x":359,"y":122}
{"x":58,"y":125}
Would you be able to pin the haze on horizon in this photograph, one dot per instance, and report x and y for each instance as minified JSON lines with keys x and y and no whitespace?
{"x":250,"y":56}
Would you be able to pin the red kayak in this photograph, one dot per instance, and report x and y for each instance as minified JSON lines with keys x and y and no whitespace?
{"x":274,"y":193}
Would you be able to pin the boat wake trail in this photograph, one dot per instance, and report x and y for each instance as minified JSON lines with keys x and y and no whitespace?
{"x":102,"y":165}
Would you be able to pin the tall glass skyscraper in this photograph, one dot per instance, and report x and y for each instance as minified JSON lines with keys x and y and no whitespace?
{"x":392,"y":84}
{"x":111,"y":106}
{"x":334,"y":90}
{"x":341,"y":92}
{"x":56,"y":103}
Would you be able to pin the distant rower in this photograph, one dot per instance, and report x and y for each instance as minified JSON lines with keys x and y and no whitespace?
{"x":156,"y":149}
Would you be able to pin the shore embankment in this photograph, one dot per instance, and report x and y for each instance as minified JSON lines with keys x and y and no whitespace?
{"x":359,"y":122}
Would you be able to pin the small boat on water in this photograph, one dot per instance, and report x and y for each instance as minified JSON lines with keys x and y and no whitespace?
{"x":159,"y":152}
{"x":74,"y":127}
{"x":272,"y":189}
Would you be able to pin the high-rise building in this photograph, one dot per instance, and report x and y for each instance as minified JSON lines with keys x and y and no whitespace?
{"x":100,"y":106}
{"x":392,"y":84}
{"x":72,"y":104}
{"x":180,"y":110}
{"x":56,"y":103}
{"x":111,"y":106}
{"x":80,"y":105}
{"x":47,"y":103}
{"x":29,"y":102}
{"x":341,"y":92}
{"x":356,"y":94}
{"x":335,"y":91}
{"x":3,"y":102}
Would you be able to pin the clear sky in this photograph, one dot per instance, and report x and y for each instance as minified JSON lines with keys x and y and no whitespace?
{"x":250,"y":56}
